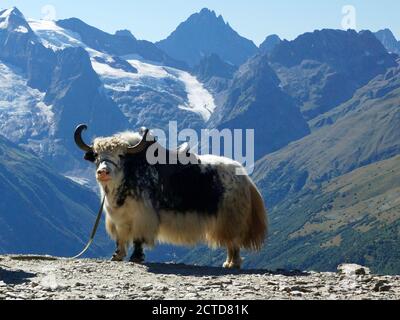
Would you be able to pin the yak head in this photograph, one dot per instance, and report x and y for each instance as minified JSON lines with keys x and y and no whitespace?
{"x":109,"y":154}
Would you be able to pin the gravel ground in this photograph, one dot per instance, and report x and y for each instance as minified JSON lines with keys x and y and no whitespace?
{"x":43,"y":278}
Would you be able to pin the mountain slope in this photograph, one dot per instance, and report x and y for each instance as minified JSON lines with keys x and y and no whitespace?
{"x":147,"y":94}
{"x":20,"y":47}
{"x":42,"y":212}
{"x":203,"y":34}
{"x":384,"y":88}
{"x":215,"y":74}
{"x":355,"y":217}
{"x":56,"y":81}
{"x":256,"y":101}
{"x":120,"y":44}
{"x":324,"y":68}
{"x":389,"y":41}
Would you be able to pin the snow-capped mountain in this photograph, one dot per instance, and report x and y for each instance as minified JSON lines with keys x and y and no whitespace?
{"x":132,"y":75}
{"x":81,"y":83}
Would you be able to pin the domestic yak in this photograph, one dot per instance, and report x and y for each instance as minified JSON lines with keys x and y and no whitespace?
{"x":209,"y":199}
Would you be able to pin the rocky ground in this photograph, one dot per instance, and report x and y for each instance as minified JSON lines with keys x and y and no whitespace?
{"x":34,"y":277}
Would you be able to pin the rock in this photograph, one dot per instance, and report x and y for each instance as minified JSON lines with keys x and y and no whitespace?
{"x":382,"y":286}
{"x":353,"y":270}
{"x":147,"y":287}
{"x":296,"y":293}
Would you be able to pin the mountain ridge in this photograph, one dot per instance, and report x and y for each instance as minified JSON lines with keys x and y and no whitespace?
{"x":202,"y":34}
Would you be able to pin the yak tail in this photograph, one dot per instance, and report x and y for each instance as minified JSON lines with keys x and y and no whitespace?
{"x":258,"y":221}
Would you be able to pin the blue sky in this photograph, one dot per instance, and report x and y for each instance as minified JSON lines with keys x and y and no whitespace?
{"x":155,"y":19}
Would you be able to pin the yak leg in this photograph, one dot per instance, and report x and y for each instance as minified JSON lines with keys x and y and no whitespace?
{"x":120,"y":252}
{"x":230,"y":252}
{"x":233,"y":260}
{"x":138,"y":254}
{"x":237,"y":260}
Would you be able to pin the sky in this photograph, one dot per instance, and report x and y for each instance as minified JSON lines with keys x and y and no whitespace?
{"x":154,"y":20}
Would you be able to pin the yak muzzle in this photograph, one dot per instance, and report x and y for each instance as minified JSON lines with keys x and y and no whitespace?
{"x":103,"y":175}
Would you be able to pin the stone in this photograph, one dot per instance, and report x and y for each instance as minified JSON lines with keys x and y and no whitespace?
{"x":382,"y":286}
{"x":147,"y":287}
{"x":353,"y":270}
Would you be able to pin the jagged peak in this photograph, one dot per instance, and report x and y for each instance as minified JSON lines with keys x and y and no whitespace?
{"x":11,"y":11}
{"x":13,"y":20}
{"x":206,"y":14}
{"x":125,"y":33}
{"x":206,"y":11}
{"x":386,"y":32}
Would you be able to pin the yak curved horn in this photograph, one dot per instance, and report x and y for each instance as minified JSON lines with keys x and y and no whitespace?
{"x":142,"y":145}
{"x":78,"y":138}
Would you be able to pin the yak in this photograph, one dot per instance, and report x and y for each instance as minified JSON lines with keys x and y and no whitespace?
{"x":202,"y":201}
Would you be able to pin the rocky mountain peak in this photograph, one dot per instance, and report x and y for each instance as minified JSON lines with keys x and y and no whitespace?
{"x":13,"y":20}
{"x":125,"y":33}
{"x":388,"y":40}
{"x":204,"y":33}
{"x":213,"y":66}
{"x":270,"y":43}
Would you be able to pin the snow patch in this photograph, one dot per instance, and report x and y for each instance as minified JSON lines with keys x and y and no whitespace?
{"x":151,"y":75}
{"x":22,"y":112}
{"x":149,"y":70}
{"x":7,"y":13}
{"x":54,"y":37}
{"x":21,"y":29}
{"x":79,"y":180}
{"x":200,"y":100}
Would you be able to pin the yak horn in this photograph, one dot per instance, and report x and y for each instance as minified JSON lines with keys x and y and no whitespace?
{"x":78,"y":138}
{"x":142,"y":145}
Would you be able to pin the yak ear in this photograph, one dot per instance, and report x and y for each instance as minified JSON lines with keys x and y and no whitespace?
{"x":90,"y":156}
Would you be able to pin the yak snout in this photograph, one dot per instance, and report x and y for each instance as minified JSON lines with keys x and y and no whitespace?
{"x":103,"y":174}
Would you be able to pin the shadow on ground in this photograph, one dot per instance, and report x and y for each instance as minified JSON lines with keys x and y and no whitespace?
{"x":15,"y":277}
{"x":198,"y":271}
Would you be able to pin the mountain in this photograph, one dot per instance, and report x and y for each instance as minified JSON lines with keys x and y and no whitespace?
{"x":256,"y":101}
{"x":71,"y":94}
{"x":203,"y":34}
{"x":324,"y":68}
{"x":42,"y":212}
{"x":355,"y":217}
{"x":120,"y":44}
{"x":215,"y":74}
{"x":384,"y":89}
{"x":388,"y":40}
{"x":20,"y":47}
{"x":343,"y":177}
{"x":269,"y":44}
{"x":213,"y":66}
{"x":54,"y":81}
{"x":366,"y":133}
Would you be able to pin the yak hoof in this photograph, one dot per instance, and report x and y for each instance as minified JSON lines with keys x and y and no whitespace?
{"x":117,"y":258}
{"x":232,"y":265}
{"x":137,"y":259}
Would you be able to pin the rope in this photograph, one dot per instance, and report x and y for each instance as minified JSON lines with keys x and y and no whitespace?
{"x":96,"y":224}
